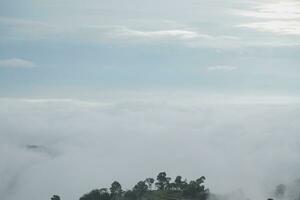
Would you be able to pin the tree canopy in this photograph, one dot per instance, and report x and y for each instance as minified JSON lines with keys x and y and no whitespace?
{"x":164,"y":189}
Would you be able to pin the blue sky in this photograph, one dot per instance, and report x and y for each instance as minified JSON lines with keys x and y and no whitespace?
{"x":59,"y":48}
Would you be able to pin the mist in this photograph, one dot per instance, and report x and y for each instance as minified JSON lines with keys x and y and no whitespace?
{"x":70,"y":146}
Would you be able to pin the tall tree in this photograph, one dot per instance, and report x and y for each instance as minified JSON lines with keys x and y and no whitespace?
{"x":116,"y":190}
{"x":149,"y":182}
{"x":195,"y":189}
{"x":104,"y":194}
{"x":140,"y":189}
{"x":199,"y":181}
{"x":179,"y":184}
{"x":162,"y":181}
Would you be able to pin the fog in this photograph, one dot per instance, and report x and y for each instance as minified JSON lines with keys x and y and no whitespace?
{"x":70,"y":146}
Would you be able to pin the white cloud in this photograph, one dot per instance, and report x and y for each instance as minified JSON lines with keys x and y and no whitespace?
{"x":185,"y":36}
{"x":180,"y":35}
{"x":16,"y":63}
{"x":273,"y":10}
{"x":175,"y":34}
{"x":145,"y":133}
{"x":278,"y":27}
{"x":164,"y":32}
{"x":274,"y":17}
{"x":222,"y":68}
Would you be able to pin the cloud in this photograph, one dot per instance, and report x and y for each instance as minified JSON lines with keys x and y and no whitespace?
{"x":163,"y":32}
{"x":186,"y":36}
{"x":278,"y":27}
{"x":16,"y":63}
{"x":221,"y":68}
{"x":181,"y":35}
{"x":280,"y":18}
{"x":90,"y":146}
{"x":273,"y":10}
{"x":175,"y":34}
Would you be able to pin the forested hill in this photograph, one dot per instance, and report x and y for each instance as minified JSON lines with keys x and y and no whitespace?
{"x":164,"y":188}
{"x":150,"y":189}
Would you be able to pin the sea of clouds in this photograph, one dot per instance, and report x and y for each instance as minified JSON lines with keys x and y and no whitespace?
{"x":70,"y":146}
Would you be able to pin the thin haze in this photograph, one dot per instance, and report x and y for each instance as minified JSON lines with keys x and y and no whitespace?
{"x":96,"y":91}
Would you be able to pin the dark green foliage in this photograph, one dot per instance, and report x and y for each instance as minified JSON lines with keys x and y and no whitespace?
{"x":93,"y":195}
{"x":179,"y":184}
{"x":130,"y":195}
{"x":104,"y":194}
{"x":149,"y":182}
{"x":116,"y":190}
{"x":55,"y":197}
{"x":166,"y":190}
{"x":178,"y":181}
{"x":195,"y":189}
{"x":101,"y":194}
{"x":162,"y":181}
{"x":140,"y":189}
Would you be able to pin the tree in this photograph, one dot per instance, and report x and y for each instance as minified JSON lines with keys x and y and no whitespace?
{"x":104,"y":194}
{"x":171,"y":187}
{"x":179,"y":184}
{"x":166,"y":190}
{"x":140,"y":189}
{"x":191,"y":190}
{"x":116,"y":190}
{"x":92,"y":195}
{"x":195,"y":190}
{"x":162,"y":181}
{"x":199,"y":181}
{"x":130,"y":195}
{"x":149,"y":182}
{"x":55,"y":197}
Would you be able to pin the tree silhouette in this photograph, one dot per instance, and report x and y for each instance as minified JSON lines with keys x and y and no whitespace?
{"x":116,"y":190}
{"x":104,"y":194}
{"x":149,"y":182}
{"x":162,"y":181}
{"x":140,"y":189}
{"x":179,"y":184}
{"x":130,"y":195}
{"x":55,"y":197}
{"x":195,"y":190}
{"x":166,"y":190}
{"x":92,"y":195}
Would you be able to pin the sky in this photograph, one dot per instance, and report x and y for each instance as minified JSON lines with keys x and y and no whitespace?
{"x":93,"y":91}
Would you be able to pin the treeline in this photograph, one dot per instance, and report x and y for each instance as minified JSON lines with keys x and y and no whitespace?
{"x":163,"y":188}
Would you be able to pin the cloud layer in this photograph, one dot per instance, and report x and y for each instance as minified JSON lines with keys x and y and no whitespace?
{"x":69,"y":146}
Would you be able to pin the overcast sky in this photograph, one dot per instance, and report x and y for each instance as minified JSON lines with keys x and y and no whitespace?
{"x":93,"y":91}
